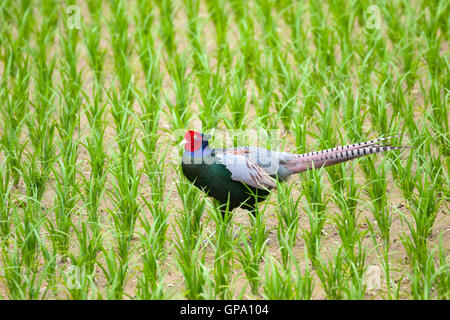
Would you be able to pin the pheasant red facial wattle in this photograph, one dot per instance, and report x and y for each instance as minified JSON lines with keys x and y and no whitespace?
{"x":193,"y":141}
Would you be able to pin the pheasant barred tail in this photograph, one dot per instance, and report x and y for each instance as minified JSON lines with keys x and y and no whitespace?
{"x":339,"y":154}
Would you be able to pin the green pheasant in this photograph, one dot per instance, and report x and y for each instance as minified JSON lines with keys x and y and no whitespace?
{"x":245,"y":176}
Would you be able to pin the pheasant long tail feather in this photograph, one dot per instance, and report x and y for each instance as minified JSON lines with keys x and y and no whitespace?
{"x":339,"y":154}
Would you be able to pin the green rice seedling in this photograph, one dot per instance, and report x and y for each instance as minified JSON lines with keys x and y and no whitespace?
{"x":166,"y":27}
{"x":423,"y":210}
{"x":189,"y":246}
{"x":190,"y":221}
{"x":219,"y":15}
{"x":179,"y":112}
{"x":80,"y":285}
{"x":158,"y":204}
{"x":124,"y":195}
{"x":252,"y":249}
{"x":438,"y":117}
{"x":327,"y":137}
{"x":372,"y":52}
{"x":145,"y":18}
{"x":301,"y":120}
{"x":310,"y":89}
{"x":121,"y":46}
{"x":65,"y":205}
{"x":294,"y":17}
{"x":443,"y":282}
{"x":268,"y":23}
{"x":20,"y":16}
{"x":127,"y":176}
{"x":323,"y":38}
{"x":347,"y":224}
{"x":91,"y":38}
{"x":39,"y":164}
{"x":282,"y":282}
{"x":5,"y":202}
{"x":159,"y":227}
{"x":333,"y":275}
{"x":271,"y":40}
{"x":89,"y":242}
{"x":27,"y":229}
{"x":149,"y":101}
{"x":69,"y":71}
{"x":80,"y":274}
{"x":377,"y":189}
{"x":95,"y":9}
{"x":149,"y":285}
{"x":122,"y":114}
{"x":384,"y":257}
{"x":344,"y":21}
{"x":356,"y":289}
{"x":37,"y":171}
{"x":26,"y":274}
{"x":194,"y":34}
{"x":407,"y":49}
{"x":49,"y":259}
{"x":49,"y":14}
{"x":354,"y":253}
{"x":378,"y":110}
{"x":33,"y":178}
{"x":434,"y":164}
{"x":432,"y":22}
{"x":406,"y":178}
{"x":153,"y":239}
{"x":115,"y":271}
{"x":265,"y":82}
{"x":23,"y":282}
{"x":315,"y":207}
{"x":289,"y":85}
{"x":192,"y":266}
{"x":247,"y":43}
{"x":278,"y":281}
{"x":353,"y":115}
{"x":223,"y":248}
{"x":250,"y":258}
{"x":94,"y":184}
{"x":430,"y":279}
{"x":305,"y":280}
{"x":421,"y":286}
{"x":213,"y":93}
{"x":14,"y":111}
{"x":67,"y":124}
{"x":336,"y":175}
{"x":40,"y":123}
{"x":404,"y":106}
{"x":300,"y":129}
{"x":11,"y":267}
{"x":237,"y":99}
{"x":288,"y":214}
{"x":157,"y":178}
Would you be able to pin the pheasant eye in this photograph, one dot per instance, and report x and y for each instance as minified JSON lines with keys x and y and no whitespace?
{"x":196,"y":137}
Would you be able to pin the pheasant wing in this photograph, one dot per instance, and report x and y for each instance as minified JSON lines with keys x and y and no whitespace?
{"x":268,"y":160}
{"x":246,"y":170}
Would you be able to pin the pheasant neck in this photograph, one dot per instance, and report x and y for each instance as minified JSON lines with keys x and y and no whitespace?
{"x":202,"y":152}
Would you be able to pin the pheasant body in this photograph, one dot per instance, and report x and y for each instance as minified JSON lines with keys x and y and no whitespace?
{"x":215,"y":180}
{"x":243,"y":176}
